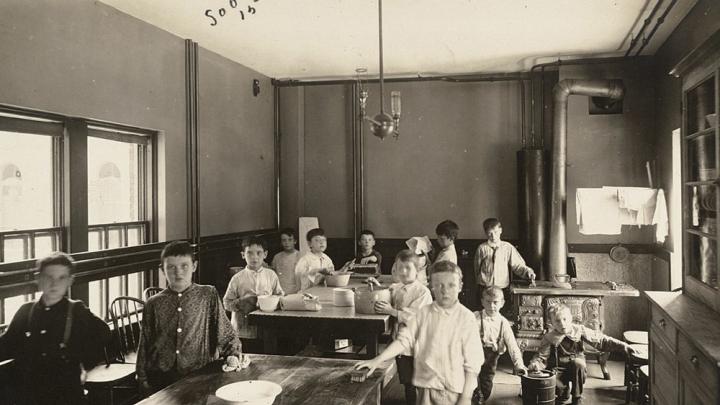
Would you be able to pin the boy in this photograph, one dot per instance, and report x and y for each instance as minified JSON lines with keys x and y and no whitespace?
{"x":447,"y":231}
{"x":407,"y":297}
{"x":562,"y":348}
{"x":444,"y":339}
{"x":284,"y":262}
{"x":495,"y":258}
{"x":247,"y":285}
{"x":497,"y":336}
{"x":184,"y":326}
{"x":53,"y":339}
{"x":368,"y":255}
{"x":314,"y":265}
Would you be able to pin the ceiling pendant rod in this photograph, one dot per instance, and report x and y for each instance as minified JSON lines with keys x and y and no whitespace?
{"x":382,"y":84}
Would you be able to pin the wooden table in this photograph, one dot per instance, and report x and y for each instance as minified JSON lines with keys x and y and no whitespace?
{"x":339,"y":321}
{"x":304,"y":380}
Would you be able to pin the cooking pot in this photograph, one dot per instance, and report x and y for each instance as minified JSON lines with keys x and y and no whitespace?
{"x":365,"y":298}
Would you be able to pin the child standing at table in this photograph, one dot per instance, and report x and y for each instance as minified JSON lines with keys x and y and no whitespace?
{"x":444,"y":339}
{"x":368,"y":255}
{"x":184,"y":326}
{"x":407,"y":297}
{"x":284,"y":262}
{"x":312,"y":268}
{"x":494,"y":259}
{"x":563,"y":349}
{"x":447,"y":231}
{"x":497,"y":337}
{"x":245,"y":286}
{"x":53,"y":339}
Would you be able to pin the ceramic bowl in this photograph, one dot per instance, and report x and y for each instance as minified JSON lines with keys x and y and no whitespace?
{"x":252,"y":392}
{"x":338,"y":279}
{"x":268,"y":303}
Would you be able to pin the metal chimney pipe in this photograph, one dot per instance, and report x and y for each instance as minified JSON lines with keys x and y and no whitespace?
{"x":557,"y":243}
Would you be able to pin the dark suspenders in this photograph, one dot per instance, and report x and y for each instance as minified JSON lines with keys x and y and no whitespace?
{"x":68,"y":323}
{"x":482,"y":330}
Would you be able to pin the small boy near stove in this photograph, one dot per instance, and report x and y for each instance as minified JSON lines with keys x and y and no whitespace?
{"x":563,"y":349}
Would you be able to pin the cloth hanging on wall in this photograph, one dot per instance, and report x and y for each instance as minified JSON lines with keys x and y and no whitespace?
{"x":597,"y":211}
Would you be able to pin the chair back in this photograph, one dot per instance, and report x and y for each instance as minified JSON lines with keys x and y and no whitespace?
{"x":150,"y":291}
{"x":126,"y":316}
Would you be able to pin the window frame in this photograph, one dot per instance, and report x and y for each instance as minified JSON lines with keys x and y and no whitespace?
{"x":70,"y":213}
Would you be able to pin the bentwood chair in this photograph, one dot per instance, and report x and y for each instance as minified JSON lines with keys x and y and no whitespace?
{"x":118,"y":372}
{"x":150,"y":291}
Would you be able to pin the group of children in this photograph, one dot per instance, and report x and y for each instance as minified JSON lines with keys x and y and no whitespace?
{"x":445,"y":353}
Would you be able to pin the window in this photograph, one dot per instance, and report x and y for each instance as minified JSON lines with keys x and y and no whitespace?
{"x":37,"y":151}
{"x":117,"y":205}
{"x":29,"y":225}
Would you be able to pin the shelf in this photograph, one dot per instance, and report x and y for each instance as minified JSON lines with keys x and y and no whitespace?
{"x":706,"y":131}
{"x":700,"y":233}
{"x":701,"y":183}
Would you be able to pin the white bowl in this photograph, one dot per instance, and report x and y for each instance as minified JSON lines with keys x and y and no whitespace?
{"x":338,"y":279}
{"x":252,"y":392}
{"x":712,"y":119}
{"x":343,"y":297}
{"x":268,"y":303}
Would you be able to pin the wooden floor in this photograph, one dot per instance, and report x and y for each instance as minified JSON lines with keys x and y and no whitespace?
{"x":507,"y":387}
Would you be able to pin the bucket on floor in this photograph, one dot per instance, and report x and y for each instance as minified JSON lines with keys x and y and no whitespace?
{"x":538,"y":388}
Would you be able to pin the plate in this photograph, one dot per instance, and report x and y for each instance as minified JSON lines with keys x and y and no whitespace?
{"x":251,"y":392}
{"x":619,"y":253}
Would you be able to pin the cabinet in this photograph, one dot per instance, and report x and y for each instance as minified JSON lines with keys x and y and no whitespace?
{"x":685,"y":327}
{"x":684,"y":350}
{"x":700,"y":73}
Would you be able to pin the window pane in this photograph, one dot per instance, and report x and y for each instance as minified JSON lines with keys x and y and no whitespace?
{"x":113,"y":181}
{"x":134,"y":236}
{"x":135,"y":285}
{"x":114,"y":238}
{"x":12,"y":304}
{"x":95,"y":294}
{"x":44,"y":245}
{"x":26,"y":176}
{"x":15,"y":249}
{"x":115,"y":288}
{"x":95,"y":240}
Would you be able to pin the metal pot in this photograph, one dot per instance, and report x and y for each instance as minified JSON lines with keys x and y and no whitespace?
{"x":365,"y":298}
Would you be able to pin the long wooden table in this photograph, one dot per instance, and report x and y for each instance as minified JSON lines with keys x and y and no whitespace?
{"x":330,"y":320}
{"x":304,"y":380}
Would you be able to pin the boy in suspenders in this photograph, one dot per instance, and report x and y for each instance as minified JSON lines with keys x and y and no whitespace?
{"x":497,"y":337}
{"x":52,"y":339}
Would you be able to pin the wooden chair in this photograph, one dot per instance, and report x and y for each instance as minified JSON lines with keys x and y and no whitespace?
{"x":150,"y":291}
{"x":118,"y":372}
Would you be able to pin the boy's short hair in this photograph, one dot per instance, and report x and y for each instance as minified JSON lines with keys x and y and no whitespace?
{"x":408,"y":256}
{"x":445,"y":266}
{"x":490,"y":223}
{"x":253,"y":240}
{"x":366,"y":232}
{"x":494,"y":293}
{"x":555,"y":309}
{"x":448,"y":228}
{"x":176,"y":248}
{"x":288,"y":232}
{"x":313,"y":233}
{"x":60,"y":258}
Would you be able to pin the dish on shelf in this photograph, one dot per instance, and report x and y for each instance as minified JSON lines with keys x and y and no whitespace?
{"x":712,"y":119}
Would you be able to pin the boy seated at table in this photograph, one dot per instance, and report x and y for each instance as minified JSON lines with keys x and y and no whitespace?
{"x":494,"y":259}
{"x":408,"y":295}
{"x":53,"y":340}
{"x":447,"y":231}
{"x":245,"y":286}
{"x":497,"y":337}
{"x":367,"y":255}
{"x":563,"y":349}
{"x":312,"y":268}
{"x":284,"y":262}
{"x":184,"y":327}
{"x":445,"y":342}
